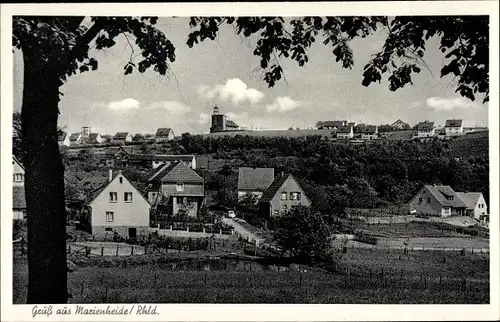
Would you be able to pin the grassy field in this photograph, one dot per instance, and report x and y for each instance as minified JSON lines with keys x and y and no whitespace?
{"x":363,"y":276}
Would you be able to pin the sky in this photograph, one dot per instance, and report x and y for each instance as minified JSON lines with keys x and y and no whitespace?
{"x":225,"y":73}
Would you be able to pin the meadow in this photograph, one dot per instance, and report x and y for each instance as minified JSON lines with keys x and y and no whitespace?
{"x":362,"y":276}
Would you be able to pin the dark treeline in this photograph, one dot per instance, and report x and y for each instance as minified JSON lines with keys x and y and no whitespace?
{"x":339,"y":175}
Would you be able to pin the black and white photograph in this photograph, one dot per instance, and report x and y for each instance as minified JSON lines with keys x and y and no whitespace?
{"x":314,"y":156}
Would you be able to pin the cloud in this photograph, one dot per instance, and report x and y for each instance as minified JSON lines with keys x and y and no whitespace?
{"x":203,"y":118}
{"x":126,"y":104}
{"x":173,"y":107}
{"x":283,"y":104}
{"x":234,"y":89}
{"x":448,"y":104}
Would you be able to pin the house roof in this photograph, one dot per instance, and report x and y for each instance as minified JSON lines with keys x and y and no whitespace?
{"x":333,"y":123}
{"x":453,"y":123}
{"x":369,"y":129}
{"x":93,"y":136}
{"x":18,"y":162}
{"x":97,"y":191}
{"x":440,"y":193}
{"x":177,"y":172}
{"x":425,"y":125}
{"x":231,"y":123}
{"x":162,"y":157}
{"x":255,"y":179}
{"x":398,"y":121}
{"x":470,"y":198}
{"x":19,"y":199}
{"x":121,"y":135}
{"x":75,"y":136}
{"x":62,"y":136}
{"x":163,"y":132}
{"x":344,"y":129}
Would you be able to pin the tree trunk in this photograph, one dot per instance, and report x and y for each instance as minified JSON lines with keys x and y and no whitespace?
{"x":44,"y":185}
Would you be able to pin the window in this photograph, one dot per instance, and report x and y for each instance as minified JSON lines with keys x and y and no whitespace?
{"x":110,"y":216}
{"x":283,"y":195}
{"x":108,"y":229}
{"x":18,"y":177}
{"x":429,"y":199}
{"x":419,"y":199}
{"x":121,"y":179}
{"x":180,"y":187}
{"x":276,"y":212}
{"x":294,"y":195}
{"x":128,"y":197}
{"x":113,"y":197}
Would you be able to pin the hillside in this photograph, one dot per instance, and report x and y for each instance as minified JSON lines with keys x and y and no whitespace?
{"x":469,"y":145}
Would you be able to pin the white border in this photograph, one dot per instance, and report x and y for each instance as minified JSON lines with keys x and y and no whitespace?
{"x":223,"y":312}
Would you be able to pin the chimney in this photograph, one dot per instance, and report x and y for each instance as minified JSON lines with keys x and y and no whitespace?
{"x":110,"y":175}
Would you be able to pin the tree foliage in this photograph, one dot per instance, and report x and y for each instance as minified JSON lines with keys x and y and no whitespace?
{"x":464,"y":41}
{"x":303,"y":233}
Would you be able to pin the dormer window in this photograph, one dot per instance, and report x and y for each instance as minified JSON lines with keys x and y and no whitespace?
{"x":180,"y":187}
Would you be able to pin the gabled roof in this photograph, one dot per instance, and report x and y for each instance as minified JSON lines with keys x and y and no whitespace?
{"x":120,"y":135}
{"x":62,"y":136}
{"x":177,"y":173}
{"x":453,"y":123}
{"x":470,"y":198}
{"x":162,"y":157}
{"x":163,"y":132}
{"x":16,"y":160}
{"x":18,"y":197}
{"x":255,"y":179}
{"x":425,"y":125}
{"x":441,"y":192}
{"x":75,"y":136}
{"x":96,"y":192}
{"x":398,"y":121}
{"x":269,"y":194}
{"x":231,"y":123}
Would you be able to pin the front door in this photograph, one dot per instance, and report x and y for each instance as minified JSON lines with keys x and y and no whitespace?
{"x":132,"y":232}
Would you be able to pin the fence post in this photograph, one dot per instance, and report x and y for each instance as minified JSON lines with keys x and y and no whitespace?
{"x":131,"y":250}
{"x":102,"y":251}
{"x":117,"y":250}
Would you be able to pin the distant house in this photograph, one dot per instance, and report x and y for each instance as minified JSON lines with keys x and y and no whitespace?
{"x":369,"y":132}
{"x":117,"y":156}
{"x":122,"y":137}
{"x":400,"y":125}
{"x":94,"y":138}
{"x":158,"y":160}
{"x":138,"y":137}
{"x":63,"y":139}
{"x":18,"y":196}
{"x":231,"y":126}
{"x":330,"y":125}
{"x":254,"y":181}
{"x":176,"y":188}
{"x":474,"y":129}
{"x":282,"y":195}
{"x":75,"y":138}
{"x":164,"y":135}
{"x":345,"y":132}
{"x":453,"y":128}
{"x":476,"y":204}
{"x":425,"y":129}
{"x":220,"y":123}
{"x":119,"y":207}
{"x":440,"y":201}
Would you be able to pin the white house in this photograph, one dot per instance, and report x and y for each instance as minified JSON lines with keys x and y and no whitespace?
{"x":122,"y":137}
{"x":164,"y":135}
{"x":425,"y":129}
{"x":439,"y":201}
{"x":118,"y":207}
{"x":453,"y":128}
{"x":345,"y":132}
{"x":18,"y":196}
{"x":476,"y":204}
{"x":75,"y":138}
{"x":400,"y":125}
{"x":369,"y":132}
